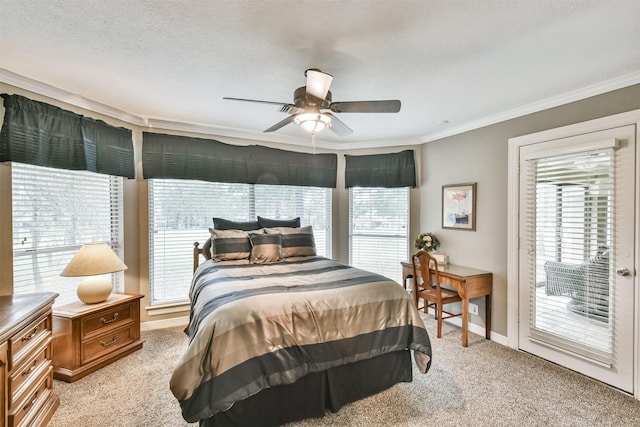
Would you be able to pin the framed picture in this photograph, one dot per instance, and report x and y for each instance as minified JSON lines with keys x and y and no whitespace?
{"x":459,"y":206}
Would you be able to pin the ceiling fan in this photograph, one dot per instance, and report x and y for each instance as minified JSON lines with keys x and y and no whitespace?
{"x":312,"y":106}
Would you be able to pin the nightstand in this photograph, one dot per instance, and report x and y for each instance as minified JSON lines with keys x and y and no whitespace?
{"x":89,"y":337}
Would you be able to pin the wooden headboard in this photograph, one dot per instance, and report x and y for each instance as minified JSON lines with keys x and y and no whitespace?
{"x":205,"y":251}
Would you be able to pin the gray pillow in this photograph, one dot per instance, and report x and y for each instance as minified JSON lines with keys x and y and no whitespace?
{"x":225,"y":224}
{"x":266,"y":222}
{"x":265,"y":248}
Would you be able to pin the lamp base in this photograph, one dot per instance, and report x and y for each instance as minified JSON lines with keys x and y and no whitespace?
{"x":94,"y":289}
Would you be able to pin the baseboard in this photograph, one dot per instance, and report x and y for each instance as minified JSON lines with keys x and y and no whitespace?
{"x":476,"y":329}
{"x":164,"y":323}
{"x":479,"y":330}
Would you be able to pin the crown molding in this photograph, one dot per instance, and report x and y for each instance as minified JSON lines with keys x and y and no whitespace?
{"x":159,"y":124}
{"x":545,"y":104}
{"x":44,"y":89}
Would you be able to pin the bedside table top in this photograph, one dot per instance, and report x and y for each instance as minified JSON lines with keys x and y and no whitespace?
{"x":79,"y":308}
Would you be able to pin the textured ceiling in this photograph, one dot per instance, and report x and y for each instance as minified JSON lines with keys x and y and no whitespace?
{"x":170,"y":62}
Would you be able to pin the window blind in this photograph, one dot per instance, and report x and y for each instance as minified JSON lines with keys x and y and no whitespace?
{"x":181,"y":212}
{"x":379,"y":229}
{"x":54,"y":213}
{"x":571,"y":202}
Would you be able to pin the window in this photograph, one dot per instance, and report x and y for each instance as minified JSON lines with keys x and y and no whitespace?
{"x":55,"y":212}
{"x":572,"y":203}
{"x":379,"y":229}
{"x":181,"y":212}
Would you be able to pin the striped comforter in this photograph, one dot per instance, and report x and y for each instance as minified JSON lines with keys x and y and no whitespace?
{"x":256,"y":326}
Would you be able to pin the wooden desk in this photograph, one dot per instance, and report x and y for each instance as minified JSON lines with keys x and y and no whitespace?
{"x":470,"y":283}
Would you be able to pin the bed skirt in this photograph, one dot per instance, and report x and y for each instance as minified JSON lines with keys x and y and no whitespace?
{"x":316,"y":393}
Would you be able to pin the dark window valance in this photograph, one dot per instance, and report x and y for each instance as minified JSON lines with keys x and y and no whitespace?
{"x":381,"y":170}
{"x":181,"y":157}
{"x":44,"y":135}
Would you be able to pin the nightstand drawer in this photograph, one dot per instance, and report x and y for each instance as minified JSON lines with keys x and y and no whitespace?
{"x":28,"y":407}
{"x":107,"y":318}
{"x":25,"y":375}
{"x":107,"y":342}
{"x":31,"y":336}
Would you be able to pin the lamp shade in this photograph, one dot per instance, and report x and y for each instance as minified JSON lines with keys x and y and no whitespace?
{"x":94,"y":259}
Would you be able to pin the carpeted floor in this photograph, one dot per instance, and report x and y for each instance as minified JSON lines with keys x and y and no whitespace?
{"x":485,"y":384}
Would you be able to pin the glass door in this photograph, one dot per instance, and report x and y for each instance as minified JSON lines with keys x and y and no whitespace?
{"x":577,"y":228}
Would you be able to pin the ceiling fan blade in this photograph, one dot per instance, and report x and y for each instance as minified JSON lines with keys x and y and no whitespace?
{"x":284,"y":106}
{"x":388,"y":106}
{"x":281,"y":124}
{"x":338,"y":127}
{"x":318,"y":83}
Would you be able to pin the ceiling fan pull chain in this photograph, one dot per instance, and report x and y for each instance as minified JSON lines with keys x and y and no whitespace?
{"x":313,"y":142}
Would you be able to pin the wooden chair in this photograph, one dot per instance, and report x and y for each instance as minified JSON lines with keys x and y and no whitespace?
{"x":430,"y":290}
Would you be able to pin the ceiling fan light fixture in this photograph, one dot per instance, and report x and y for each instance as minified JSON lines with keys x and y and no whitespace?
{"x":313,"y":122}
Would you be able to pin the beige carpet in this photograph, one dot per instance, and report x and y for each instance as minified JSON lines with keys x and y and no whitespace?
{"x":485,"y":384}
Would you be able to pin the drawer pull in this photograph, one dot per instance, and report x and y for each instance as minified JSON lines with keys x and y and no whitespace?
{"x":30,"y":404}
{"x":106,"y":322}
{"x":33,"y":334}
{"x":110,"y":343}
{"x":28,"y":371}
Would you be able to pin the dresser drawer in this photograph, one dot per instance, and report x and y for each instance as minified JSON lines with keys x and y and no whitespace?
{"x":28,"y":407}
{"x":92,"y":325}
{"x":107,"y":342}
{"x":33,"y":335}
{"x":26,"y":374}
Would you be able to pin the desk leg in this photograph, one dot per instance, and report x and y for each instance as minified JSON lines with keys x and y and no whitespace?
{"x":487,"y":315}
{"x":404,"y":281}
{"x":465,"y":322}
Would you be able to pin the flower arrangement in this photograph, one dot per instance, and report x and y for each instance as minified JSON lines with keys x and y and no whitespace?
{"x":427,"y":242}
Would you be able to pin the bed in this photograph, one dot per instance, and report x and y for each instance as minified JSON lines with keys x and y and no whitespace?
{"x":275,"y":342}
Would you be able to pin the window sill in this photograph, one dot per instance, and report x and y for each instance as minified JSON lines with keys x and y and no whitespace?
{"x":168,"y":308}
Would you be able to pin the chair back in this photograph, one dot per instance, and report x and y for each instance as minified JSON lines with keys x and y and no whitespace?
{"x":422,"y":260}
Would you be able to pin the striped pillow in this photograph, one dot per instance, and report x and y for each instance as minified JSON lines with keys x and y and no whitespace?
{"x":295,"y":241}
{"x":228,"y":245}
{"x":265,"y":248}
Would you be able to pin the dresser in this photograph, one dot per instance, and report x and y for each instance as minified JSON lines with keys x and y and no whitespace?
{"x":89,"y":337}
{"x":26,"y":369}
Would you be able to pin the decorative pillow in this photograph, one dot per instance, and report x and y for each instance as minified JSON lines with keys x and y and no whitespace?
{"x":228,"y":245}
{"x":295,"y":241}
{"x":265,"y":248}
{"x":270,"y":223}
{"x":225,"y":224}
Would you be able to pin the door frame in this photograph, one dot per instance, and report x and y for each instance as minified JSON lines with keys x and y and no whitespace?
{"x":513,"y":213}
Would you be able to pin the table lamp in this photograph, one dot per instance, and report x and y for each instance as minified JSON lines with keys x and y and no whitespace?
{"x":94,"y":260}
